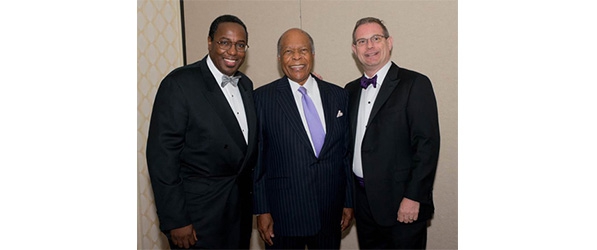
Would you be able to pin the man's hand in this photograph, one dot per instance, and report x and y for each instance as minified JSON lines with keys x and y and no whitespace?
{"x":184,"y":237}
{"x":408,"y":211}
{"x":317,"y":75}
{"x":347,"y":215}
{"x":265,"y":224}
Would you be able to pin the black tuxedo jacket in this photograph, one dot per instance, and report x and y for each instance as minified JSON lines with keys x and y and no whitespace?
{"x":400,"y":147}
{"x":199,"y":163}
{"x":304,"y":194}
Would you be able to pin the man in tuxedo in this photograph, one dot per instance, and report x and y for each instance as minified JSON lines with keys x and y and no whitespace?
{"x":202,"y":145}
{"x":395,"y":141}
{"x":303,"y":182}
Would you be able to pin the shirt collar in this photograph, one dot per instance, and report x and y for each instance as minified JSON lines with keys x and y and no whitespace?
{"x":381,"y":73}
{"x":309,"y":84}
{"x":214,"y":70}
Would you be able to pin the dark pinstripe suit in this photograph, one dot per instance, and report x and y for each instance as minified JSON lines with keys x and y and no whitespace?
{"x":304,"y":194}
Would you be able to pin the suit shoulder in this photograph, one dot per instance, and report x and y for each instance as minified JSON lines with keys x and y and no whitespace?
{"x":184,"y":70}
{"x":354,"y":85}
{"x":405,"y":73}
{"x":266,"y":87}
{"x":332,"y":86}
{"x":183,"y":75}
{"x":265,"y":90}
{"x":416,"y":82}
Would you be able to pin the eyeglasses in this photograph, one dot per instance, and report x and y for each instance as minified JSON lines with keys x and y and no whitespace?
{"x":374,"y":39}
{"x":239,"y":46}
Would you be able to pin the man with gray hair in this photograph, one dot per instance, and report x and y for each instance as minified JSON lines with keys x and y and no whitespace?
{"x":302,"y":181}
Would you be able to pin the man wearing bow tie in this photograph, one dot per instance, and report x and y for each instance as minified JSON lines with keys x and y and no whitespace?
{"x":303,"y":182}
{"x":202,"y":146}
{"x":395,"y":142}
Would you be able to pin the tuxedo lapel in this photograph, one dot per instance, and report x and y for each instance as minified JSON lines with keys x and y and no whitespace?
{"x":246,"y":91}
{"x":353,"y":106}
{"x":328,"y":111}
{"x":288,"y":106}
{"x":220,"y":105}
{"x":389,"y":84}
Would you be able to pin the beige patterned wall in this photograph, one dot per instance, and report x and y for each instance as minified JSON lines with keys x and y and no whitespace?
{"x":159,"y":51}
{"x":426,"y":39}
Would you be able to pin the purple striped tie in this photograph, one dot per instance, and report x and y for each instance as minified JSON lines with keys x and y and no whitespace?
{"x":315,"y":126}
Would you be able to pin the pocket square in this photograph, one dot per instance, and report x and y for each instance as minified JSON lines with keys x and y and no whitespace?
{"x":339,"y":114}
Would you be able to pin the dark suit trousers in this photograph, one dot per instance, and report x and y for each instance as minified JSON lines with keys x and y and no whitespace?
{"x":373,"y":236}
{"x":312,"y":242}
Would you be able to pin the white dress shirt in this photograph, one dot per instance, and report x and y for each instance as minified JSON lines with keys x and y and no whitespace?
{"x":366,"y":102}
{"x":313,"y":92}
{"x":234,"y":98}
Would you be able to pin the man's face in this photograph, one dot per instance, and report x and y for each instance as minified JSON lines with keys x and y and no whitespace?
{"x":227,"y":60}
{"x":296,"y":57}
{"x":372,"y":54}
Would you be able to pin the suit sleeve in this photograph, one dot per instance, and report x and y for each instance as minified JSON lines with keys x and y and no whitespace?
{"x":164,"y":145}
{"x":425,"y":138}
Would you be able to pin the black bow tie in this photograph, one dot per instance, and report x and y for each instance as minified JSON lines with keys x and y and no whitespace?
{"x":230,"y":79}
{"x":365,"y":81}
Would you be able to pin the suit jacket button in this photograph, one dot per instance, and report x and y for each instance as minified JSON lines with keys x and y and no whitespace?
{"x":226,"y":146}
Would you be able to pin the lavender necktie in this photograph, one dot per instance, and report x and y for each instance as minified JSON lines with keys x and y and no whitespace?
{"x":315,"y":126}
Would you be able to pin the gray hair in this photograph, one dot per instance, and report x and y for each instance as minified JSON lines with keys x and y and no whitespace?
{"x":304,"y":32}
